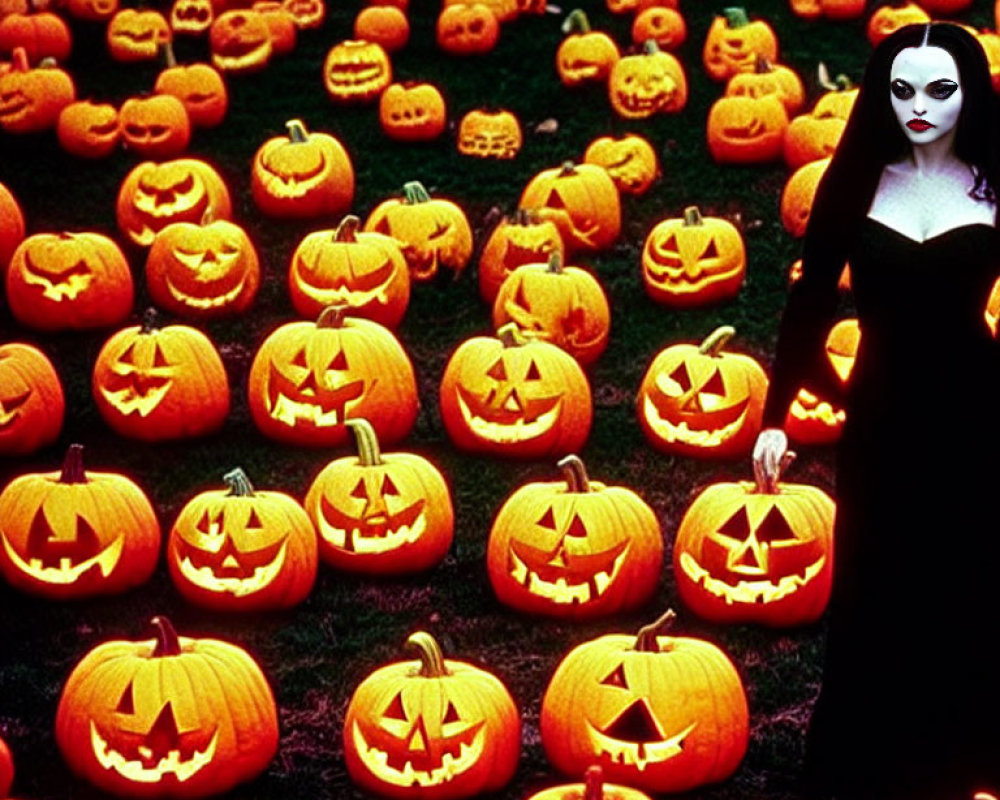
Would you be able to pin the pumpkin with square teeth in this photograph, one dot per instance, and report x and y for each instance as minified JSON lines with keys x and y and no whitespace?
{"x":577,"y":549}
{"x":524,"y":238}
{"x":584,"y":54}
{"x":630,"y":160}
{"x":243,"y":549}
{"x":592,"y":788}
{"x":31,"y":98}
{"x":734,"y":42}
{"x":88,"y":130}
{"x":702,"y":400}
{"x":240,"y":41}
{"x":74,"y":534}
{"x":156,"y":384}
{"x":489,"y":134}
{"x":60,"y":281}
{"x":383,"y":514}
{"x":659,"y":713}
{"x":137,"y":34}
{"x":155,"y":127}
{"x":170,"y":716}
{"x":356,"y":71}
{"x":309,"y":378}
{"x":757,"y":551}
{"x":32,"y":403}
{"x":432,"y":728}
{"x":365,"y":271}
{"x":191,"y":17}
{"x":514,"y":396}
{"x":646,"y":83}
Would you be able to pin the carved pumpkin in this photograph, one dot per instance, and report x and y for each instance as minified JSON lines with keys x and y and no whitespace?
{"x":592,"y":788}
{"x":241,"y":549}
{"x":387,"y":26}
{"x":309,"y":378}
{"x":746,"y":130}
{"x":41,"y":34}
{"x":434,"y":727}
{"x":662,"y":24}
{"x":991,"y":314}
{"x":154,"y":195}
{"x":432,"y":232}
{"x":365,"y":271}
{"x":889,"y":18}
{"x":412,"y":111}
{"x":280,"y":24}
{"x":515,"y":397}
{"x":489,"y":134}
{"x":382,"y":514}
{"x":306,"y":13}
{"x":503,"y":10}
{"x":757,"y":551}
{"x":92,"y":10}
{"x":693,"y":260}
{"x":75,"y":534}
{"x":11,"y":225}
{"x":660,"y":713}
{"x":142,"y":718}
{"x":88,"y":130}
{"x":524,"y":238}
{"x":32,"y":404}
{"x":240,"y":41}
{"x":31,"y":99}
{"x":356,"y":71}
{"x":815,"y":135}
{"x":831,"y":9}
{"x":199,"y":87}
{"x":734,"y":42}
{"x":191,"y":17}
{"x":581,"y":199}
{"x":137,"y":34}
{"x":155,"y":127}
{"x":630,"y":161}
{"x":702,"y":401}
{"x":467,"y":29}
{"x":202,"y":271}
{"x":577,"y":549}
{"x":156,"y":384}
{"x":798,"y":193}
{"x":64,"y":281}
{"x":647,"y":83}
{"x":584,"y":54}
{"x":561,"y":304}
{"x":768,"y":78}
{"x":636,"y":6}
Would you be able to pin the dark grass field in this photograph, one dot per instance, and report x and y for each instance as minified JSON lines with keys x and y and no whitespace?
{"x":317,"y":653}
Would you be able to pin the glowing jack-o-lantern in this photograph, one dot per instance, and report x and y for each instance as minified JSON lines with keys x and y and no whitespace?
{"x":365,"y":271}
{"x":137,"y":34}
{"x":699,"y":400}
{"x":435,"y":727}
{"x":241,"y":41}
{"x":759,"y":551}
{"x":832,"y":9}
{"x":155,"y":384}
{"x":73,"y":534}
{"x":32,"y":403}
{"x":356,"y":71}
{"x":31,"y":98}
{"x":380,"y":513}
{"x":524,"y":238}
{"x":766,"y":77}
{"x":198,"y":86}
{"x":746,"y":130}
{"x":241,"y":549}
{"x":592,"y":788}
{"x":660,"y":713}
{"x":577,"y":549}
{"x":734,"y":43}
{"x":412,"y":111}
{"x":11,"y":224}
{"x":167,"y":717}
{"x":306,"y":13}
{"x":88,"y":130}
{"x":467,"y":28}
{"x":191,"y":17}
{"x":309,"y":378}
{"x":647,"y":83}
{"x":630,"y":161}
{"x":515,"y":397}
{"x":585,"y":54}
{"x":662,"y":24}
{"x":489,"y":134}
{"x":798,"y":194}
{"x":155,"y":127}
{"x":816,"y":135}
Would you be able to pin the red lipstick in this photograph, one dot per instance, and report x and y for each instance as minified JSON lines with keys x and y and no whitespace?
{"x":919,"y":125}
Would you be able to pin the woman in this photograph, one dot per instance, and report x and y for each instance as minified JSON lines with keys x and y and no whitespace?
{"x":910,"y":702}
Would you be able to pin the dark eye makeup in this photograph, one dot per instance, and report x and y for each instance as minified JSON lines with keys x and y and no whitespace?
{"x":901,"y":90}
{"x":940,"y":89}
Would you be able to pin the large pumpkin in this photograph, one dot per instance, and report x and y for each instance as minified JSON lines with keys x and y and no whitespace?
{"x":585,"y":54}
{"x":74,"y":534}
{"x":88,"y":130}
{"x":434,"y":727}
{"x":170,"y":716}
{"x":660,"y":713}
{"x":31,"y":98}
{"x":524,"y":238}
{"x":32,"y":403}
{"x":378,"y":513}
{"x":576,"y":548}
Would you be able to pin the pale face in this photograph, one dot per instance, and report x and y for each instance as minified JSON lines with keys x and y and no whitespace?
{"x":926,"y":93}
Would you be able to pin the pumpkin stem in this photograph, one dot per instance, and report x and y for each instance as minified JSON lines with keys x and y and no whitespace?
{"x":511,"y":335}
{"x":839,"y":84}
{"x":208,"y":217}
{"x":568,"y":168}
{"x":767,"y":477}
{"x":431,"y":659}
{"x":19,"y":58}
{"x":332,"y":316}
{"x":716,"y":340}
{"x":368,"y":450}
{"x":168,"y":55}
{"x":297,"y":131}
{"x":650,"y":47}
{"x":593,"y":783}
{"x":736,"y":17}
{"x":576,"y":22}
{"x":167,"y":643}
{"x":238,"y":483}
{"x":762,"y":65}
{"x":645,"y":639}
{"x":72,"y":466}
{"x":414,"y":192}
{"x":692,"y":216}
{"x":555,"y":261}
{"x":150,"y":318}
{"x":575,"y":473}
{"x":347,"y":229}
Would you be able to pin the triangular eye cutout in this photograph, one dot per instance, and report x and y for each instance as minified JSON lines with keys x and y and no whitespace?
{"x":359,"y":490}
{"x":670,"y":246}
{"x":555,"y":200}
{"x":711,"y":251}
{"x":395,"y":709}
{"x":497,"y":371}
{"x":389,"y":488}
{"x":577,"y":528}
{"x":616,"y":678}
{"x":126,"y":704}
{"x":775,"y":528}
{"x":737,"y":526}
{"x":533,"y":373}
{"x":519,"y":298}
{"x":714,"y":385}
{"x":86,"y":536}
{"x":159,"y":360}
{"x":382,"y":226}
{"x":450,"y":714}
{"x":339,"y":362}
{"x":299,"y":359}
{"x":548,"y":520}
{"x":204,"y":524}
{"x":128,"y":357}
{"x":254,"y":521}
{"x":680,"y":376}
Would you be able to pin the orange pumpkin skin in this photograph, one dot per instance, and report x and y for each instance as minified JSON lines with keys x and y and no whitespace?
{"x":42,"y":35}
{"x":734,"y":42}
{"x":503,"y":10}
{"x":798,"y":193}
{"x":155,"y":127}
{"x":11,"y":225}
{"x":662,"y":24}
{"x":888,"y":19}
{"x":593,"y":788}
{"x":467,"y":29}
{"x":200,"y":88}
{"x":306,"y":13}
{"x":489,"y":134}
{"x":156,"y":384}
{"x":356,"y":71}
{"x":944,"y":7}
{"x":32,"y":404}
{"x":647,"y":83}
{"x":387,"y":26}
{"x":768,"y":78}
{"x":815,"y":135}
{"x":515,"y":398}
{"x":136,"y":35}
{"x":208,"y":694}
{"x":658,"y":713}
{"x":444,"y":704}
{"x":380,"y":514}
{"x":92,"y":10}
{"x":576,"y":549}
{"x":630,"y":160}
{"x":75,"y":534}
{"x":308,"y":378}
{"x":412,"y":112}
{"x":240,"y":41}
{"x":584,"y":55}
{"x":6,"y":769}
{"x":31,"y":99}
{"x":88,"y":130}
{"x":63,"y":281}
{"x":524,"y":238}
{"x":191,"y":17}
{"x":242,"y":549}
{"x":280,"y":24}
{"x":745,"y":130}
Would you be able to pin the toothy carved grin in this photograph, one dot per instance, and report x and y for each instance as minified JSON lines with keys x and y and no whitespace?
{"x":10,"y":409}
{"x":406,"y":528}
{"x":354,"y":73}
{"x":560,"y":590}
{"x":684,"y":434}
{"x":134,"y":770}
{"x":140,"y":393}
{"x":66,"y":573}
{"x":322,"y":407}
{"x":377,"y":762}
{"x":289,"y":181}
{"x":764,"y":591}
{"x":205,"y":303}
{"x":517,"y":431}
{"x":262,"y":577}
{"x":637,"y":754}
{"x":751,"y":130}
{"x":819,"y":410}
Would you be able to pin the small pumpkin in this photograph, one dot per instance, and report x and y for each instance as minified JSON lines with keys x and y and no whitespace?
{"x":746,"y":130}
{"x":306,"y":13}
{"x":630,"y":160}
{"x":524,"y":238}
{"x":798,"y":193}
{"x":31,"y":98}
{"x":32,"y":403}
{"x":889,"y":18}
{"x":991,"y":313}
{"x":42,"y":34}
{"x":503,"y":10}
{"x":198,"y":86}
{"x":489,"y":134}
{"x":768,"y":78}
{"x":584,"y":54}
{"x":467,"y":29}
{"x":412,"y":111}
{"x":88,"y":130}
{"x":137,"y":34}
{"x":647,"y":83}
{"x":636,"y":6}
{"x":734,"y":43}
{"x":387,"y":26}
{"x":280,"y":24}
{"x":356,"y":71}
{"x":11,"y":225}
{"x":662,"y":24}
{"x":592,"y":788}
{"x":191,"y":17}
{"x":831,"y":9}
{"x":240,"y":40}
{"x":156,"y":126}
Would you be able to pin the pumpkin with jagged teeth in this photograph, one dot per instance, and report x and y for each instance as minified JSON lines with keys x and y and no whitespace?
{"x":647,"y":83}
{"x":489,"y":134}
{"x":192,"y":17}
{"x":356,"y":71}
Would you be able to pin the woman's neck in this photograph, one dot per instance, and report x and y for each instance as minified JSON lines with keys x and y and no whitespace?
{"x":934,"y":157}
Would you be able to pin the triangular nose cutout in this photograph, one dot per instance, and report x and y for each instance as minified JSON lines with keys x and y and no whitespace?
{"x":635,"y":724}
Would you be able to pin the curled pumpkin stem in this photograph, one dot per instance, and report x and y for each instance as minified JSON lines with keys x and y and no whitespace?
{"x":167,"y":641}
{"x":511,"y":335}
{"x":645,"y":639}
{"x":576,"y":22}
{"x":332,"y":316}
{"x":716,"y":340}
{"x":369,"y":454}
{"x":431,"y":659}
{"x":767,"y":473}
{"x":238,"y":483}
{"x":575,"y":473}
{"x":347,"y":229}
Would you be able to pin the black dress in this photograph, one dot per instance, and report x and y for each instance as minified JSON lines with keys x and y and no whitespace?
{"x":910,"y":702}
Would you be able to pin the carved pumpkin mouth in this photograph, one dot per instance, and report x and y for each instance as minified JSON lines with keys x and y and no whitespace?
{"x":10,"y":408}
{"x":563,"y":577}
{"x":193,"y":13}
{"x":807,"y":407}
{"x":230,"y":571}
{"x":291,"y":403}
{"x":187,"y":198}
{"x":502,"y":145}
{"x":108,"y":128}
{"x":649,"y":101}
{"x":292,"y":179}
{"x":753,"y":129}
{"x":355,"y":73}
{"x":57,"y":286}
{"x":237,"y":47}
{"x":136,"y":392}
{"x":64,"y":572}
{"x":579,"y":69}
{"x":513,"y":420}
{"x":460,"y":753}
{"x":518,"y":254}
{"x":148,"y":766}
{"x":666,"y":267}
{"x":720,"y":426}
{"x":13,"y":103}
{"x":378,"y":533}
{"x":197,"y":98}
{"x":136,"y":37}
{"x":204,"y":303}
{"x":634,"y":738}
{"x":750,"y":591}
{"x":365,"y":288}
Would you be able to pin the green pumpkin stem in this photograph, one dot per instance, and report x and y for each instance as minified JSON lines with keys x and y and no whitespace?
{"x":692,"y":216}
{"x":369,"y":454}
{"x":347,"y":229}
{"x":736,"y":17}
{"x":576,"y":22}
{"x":297,"y":131}
{"x":593,"y":783}
{"x":645,"y":639}
{"x":568,"y":168}
{"x":72,"y":466}
{"x":650,"y":47}
{"x":238,"y":483}
{"x":431,"y":659}
{"x":766,"y":478}
{"x":414,"y":192}
{"x":716,"y":340}
{"x":575,"y":473}
{"x":555,"y":261}
{"x":512,"y":336}
{"x":841,"y":83}
{"x":332,"y":316}
{"x":168,"y":55}
{"x":167,"y":642}
{"x":150,"y":320}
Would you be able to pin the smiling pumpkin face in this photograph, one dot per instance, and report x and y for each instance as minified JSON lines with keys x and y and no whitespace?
{"x":356,"y":71}
{"x":191,"y":17}
{"x":241,"y":41}
{"x":647,"y":83}
{"x":88,"y":130}
{"x":32,"y":403}
{"x":630,"y":160}
{"x":137,"y":35}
